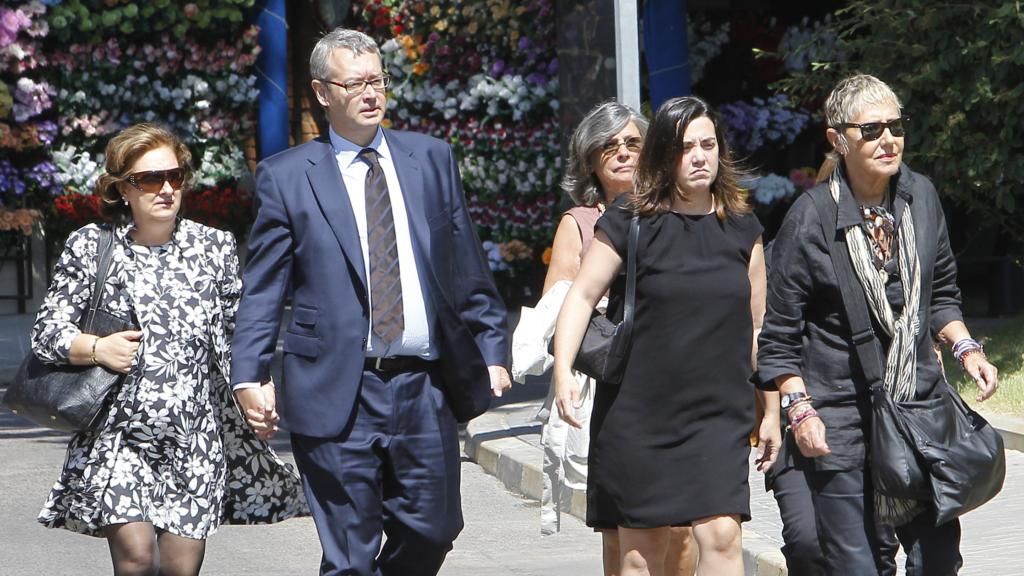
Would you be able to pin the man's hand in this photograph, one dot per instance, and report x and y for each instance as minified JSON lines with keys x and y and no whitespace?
{"x":259,"y":405}
{"x":985,"y":375}
{"x":769,"y":440}
{"x":500,"y":382}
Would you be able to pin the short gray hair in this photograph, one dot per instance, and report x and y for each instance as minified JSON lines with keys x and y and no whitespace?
{"x":352,"y":40}
{"x":849,"y":98}
{"x":599,"y":126}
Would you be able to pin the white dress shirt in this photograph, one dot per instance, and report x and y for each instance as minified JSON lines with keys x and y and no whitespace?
{"x":416,"y":339}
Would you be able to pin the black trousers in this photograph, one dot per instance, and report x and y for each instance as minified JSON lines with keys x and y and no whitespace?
{"x":799,"y":530}
{"x":393,"y":470}
{"x":854,"y":544}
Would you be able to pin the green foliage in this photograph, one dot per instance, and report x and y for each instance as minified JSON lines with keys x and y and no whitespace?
{"x":1004,"y":346}
{"x":78,"y":20}
{"x":958,"y":67}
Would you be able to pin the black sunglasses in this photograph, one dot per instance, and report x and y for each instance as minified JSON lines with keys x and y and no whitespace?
{"x":873,"y":130}
{"x":152,"y":181}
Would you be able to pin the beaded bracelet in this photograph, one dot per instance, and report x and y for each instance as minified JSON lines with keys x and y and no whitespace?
{"x":965,"y":345}
{"x":802,"y":417}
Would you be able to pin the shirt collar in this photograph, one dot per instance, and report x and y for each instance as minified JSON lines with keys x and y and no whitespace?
{"x":849,"y":212}
{"x":347,"y":151}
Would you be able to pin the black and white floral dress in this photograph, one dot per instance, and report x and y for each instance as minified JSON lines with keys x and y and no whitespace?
{"x":173,"y":449}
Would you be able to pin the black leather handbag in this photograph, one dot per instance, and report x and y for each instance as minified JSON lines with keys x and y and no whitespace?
{"x":606,"y":344}
{"x":65,"y":397}
{"x":936,"y":449}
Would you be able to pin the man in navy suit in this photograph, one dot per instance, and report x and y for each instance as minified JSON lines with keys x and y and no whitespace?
{"x":397,"y":331}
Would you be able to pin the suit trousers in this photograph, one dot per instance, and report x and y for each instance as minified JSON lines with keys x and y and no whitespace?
{"x":394,"y":469}
{"x":854,"y":545}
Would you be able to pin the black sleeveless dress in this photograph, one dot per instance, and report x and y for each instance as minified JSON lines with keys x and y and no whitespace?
{"x":670,"y":445}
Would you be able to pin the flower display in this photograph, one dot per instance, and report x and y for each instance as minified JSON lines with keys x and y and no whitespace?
{"x":73,"y":73}
{"x":751,"y":125}
{"x":22,"y":220}
{"x":483,"y":76}
{"x":769,"y":188}
{"x":704,"y":41}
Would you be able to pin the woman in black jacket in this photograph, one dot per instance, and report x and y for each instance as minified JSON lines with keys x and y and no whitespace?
{"x":896,"y":234}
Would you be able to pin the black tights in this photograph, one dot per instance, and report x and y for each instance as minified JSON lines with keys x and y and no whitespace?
{"x":138,"y":549}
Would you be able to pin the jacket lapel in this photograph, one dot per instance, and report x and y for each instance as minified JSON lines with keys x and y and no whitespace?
{"x":332,"y":196}
{"x":410,"y":178}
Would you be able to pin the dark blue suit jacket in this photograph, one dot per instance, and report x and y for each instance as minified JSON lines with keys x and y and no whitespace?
{"x":305,"y":237}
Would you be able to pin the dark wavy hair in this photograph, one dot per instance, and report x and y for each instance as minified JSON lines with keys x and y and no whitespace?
{"x":122,"y":152}
{"x":658,"y":163}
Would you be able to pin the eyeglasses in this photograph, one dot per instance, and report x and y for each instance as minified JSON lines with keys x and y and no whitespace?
{"x":632,"y":144}
{"x":358,"y":86}
{"x":152,"y":181}
{"x":873,"y":130}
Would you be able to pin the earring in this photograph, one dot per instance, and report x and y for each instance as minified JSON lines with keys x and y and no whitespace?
{"x":124,"y":200}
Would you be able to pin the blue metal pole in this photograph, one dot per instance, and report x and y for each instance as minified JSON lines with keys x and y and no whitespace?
{"x":272,"y":74}
{"x":666,"y":50}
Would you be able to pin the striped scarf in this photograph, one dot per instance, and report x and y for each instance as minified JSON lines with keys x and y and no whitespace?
{"x":900,"y":379}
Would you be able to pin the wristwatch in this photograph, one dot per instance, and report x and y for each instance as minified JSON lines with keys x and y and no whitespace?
{"x":789,"y":399}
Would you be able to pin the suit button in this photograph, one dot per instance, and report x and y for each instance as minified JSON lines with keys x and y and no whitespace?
{"x":364,"y":343}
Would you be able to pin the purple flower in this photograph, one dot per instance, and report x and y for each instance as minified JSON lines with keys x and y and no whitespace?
{"x":524,"y":42}
{"x":10,"y":179}
{"x":536,"y":78}
{"x":497,"y":68}
{"x":553,"y":67}
{"x":44,"y":177}
{"x":47,"y":131}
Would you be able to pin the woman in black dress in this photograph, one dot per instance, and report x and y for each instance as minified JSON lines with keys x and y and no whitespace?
{"x":669,"y":446}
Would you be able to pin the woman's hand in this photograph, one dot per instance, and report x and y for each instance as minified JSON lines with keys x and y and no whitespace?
{"x":985,"y":375}
{"x":810,"y":438}
{"x":118,"y":350}
{"x":769,"y":440}
{"x":567,"y":397}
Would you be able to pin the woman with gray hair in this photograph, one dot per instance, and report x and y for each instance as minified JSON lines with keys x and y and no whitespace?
{"x":602,"y":156}
{"x":895,"y":235}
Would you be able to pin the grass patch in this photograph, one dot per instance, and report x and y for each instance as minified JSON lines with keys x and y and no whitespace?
{"x":1004,"y":346}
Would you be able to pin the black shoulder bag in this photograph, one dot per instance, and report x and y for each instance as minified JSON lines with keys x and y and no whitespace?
{"x":67,"y":397}
{"x":606,"y":344}
{"x":935,"y":449}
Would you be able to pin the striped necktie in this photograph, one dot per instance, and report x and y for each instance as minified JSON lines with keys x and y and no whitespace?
{"x":387,"y":313}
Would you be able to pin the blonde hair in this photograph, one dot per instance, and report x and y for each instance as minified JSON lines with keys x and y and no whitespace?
{"x":846,"y":101}
{"x":122,"y":152}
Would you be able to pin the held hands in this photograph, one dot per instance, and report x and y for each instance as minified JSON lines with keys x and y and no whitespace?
{"x":567,"y":397}
{"x":259,"y":405}
{"x":117,"y":351}
{"x":500,"y":381}
{"x":985,"y":375}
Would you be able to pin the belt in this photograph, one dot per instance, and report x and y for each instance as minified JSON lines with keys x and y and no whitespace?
{"x":398,"y":364}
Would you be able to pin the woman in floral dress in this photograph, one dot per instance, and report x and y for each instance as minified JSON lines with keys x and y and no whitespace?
{"x":172,"y":458}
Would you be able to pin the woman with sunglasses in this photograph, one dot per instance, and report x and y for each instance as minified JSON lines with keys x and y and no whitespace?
{"x":170,"y":459}
{"x":599,"y":172}
{"x":894,"y":234}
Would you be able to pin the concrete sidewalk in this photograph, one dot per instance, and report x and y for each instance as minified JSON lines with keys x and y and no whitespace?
{"x":506,"y":443}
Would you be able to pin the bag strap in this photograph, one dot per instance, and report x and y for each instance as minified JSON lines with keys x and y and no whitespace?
{"x":854,"y":300}
{"x":631,"y":249}
{"x":104,"y":255}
